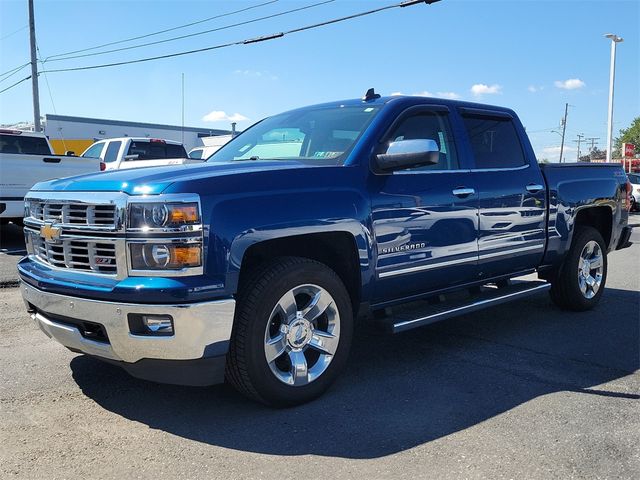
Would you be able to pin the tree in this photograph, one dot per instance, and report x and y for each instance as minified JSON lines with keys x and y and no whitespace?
{"x":628,"y":135}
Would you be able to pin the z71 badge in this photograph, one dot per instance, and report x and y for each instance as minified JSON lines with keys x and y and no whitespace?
{"x":403,"y":248}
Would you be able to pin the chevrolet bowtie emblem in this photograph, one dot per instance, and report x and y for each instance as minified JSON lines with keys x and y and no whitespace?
{"x":49,"y":232}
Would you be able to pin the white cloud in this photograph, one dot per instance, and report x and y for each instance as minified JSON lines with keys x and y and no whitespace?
{"x":534,"y":88}
{"x":569,"y":84}
{"x":221,"y":116}
{"x":482,"y":89}
{"x":396,"y":94}
{"x":256,"y":74}
{"x":553,"y":153}
{"x":449,"y":95}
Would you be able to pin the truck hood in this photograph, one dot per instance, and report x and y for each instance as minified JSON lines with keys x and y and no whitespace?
{"x":154,"y":180}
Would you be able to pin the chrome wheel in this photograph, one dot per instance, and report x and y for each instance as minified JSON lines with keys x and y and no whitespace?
{"x":302,"y":335}
{"x":590,"y":269}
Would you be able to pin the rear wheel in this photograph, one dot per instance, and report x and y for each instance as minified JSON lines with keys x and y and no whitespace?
{"x":292,"y":332}
{"x":583,"y":274}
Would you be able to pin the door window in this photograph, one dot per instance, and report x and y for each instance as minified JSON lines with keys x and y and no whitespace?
{"x":494,"y":141}
{"x":112,"y":152}
{"x":429,"y":126}
{"x":94,"y":151}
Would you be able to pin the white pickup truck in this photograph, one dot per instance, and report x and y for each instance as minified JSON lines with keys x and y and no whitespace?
{"x":134,"y":152}
{"x":26,"y":158}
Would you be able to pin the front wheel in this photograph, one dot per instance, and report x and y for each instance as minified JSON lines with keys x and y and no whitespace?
{"x":583,"y":274}
{"x":292,"y":332}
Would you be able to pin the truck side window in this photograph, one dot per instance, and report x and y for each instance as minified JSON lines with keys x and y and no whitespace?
{"x":494,"y":141}
{"x":429,"y":126}
{"x":94,"y":150}
{"x":112,"y":152}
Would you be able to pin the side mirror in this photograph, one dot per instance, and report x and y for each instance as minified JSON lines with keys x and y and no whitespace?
{"x":408,"y":153}
{"x":70,"y":153}
{"x":131,"y":157}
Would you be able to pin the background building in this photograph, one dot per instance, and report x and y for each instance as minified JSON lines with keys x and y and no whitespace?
{"x":75,"y":134}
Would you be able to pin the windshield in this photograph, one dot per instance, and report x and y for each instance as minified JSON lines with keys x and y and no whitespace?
{"x":634,"y":178}
{"x":322,"y":136}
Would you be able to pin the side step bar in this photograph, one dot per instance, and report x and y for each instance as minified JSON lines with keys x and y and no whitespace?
{"x":418,"y":314}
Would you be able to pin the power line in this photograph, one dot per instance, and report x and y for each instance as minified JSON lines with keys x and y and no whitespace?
{"x":46,"y":79}
{"x":14,"y":32}
{"x":163,"y":31}
{"x":246,"y":41}
{"x":15,"y":84}
{"x":182,"y":37}
{"x":14,"y":70}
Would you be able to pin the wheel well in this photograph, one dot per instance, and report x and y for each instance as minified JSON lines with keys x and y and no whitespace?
{"x":337,"y":250}
{"x":600,"y":218}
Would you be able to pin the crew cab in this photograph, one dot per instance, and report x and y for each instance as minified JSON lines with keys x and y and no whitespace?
{"x":26,"y":158}
{"x":133,"y":152}
{"x":252,"y":267}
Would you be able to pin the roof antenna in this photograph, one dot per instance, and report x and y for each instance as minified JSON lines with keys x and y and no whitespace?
{"x":370,"y":95}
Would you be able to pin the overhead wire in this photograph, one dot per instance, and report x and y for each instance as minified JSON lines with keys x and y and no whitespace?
{"x":195,"y":34}
{"x":245,"y":41}
{"x":96,"y":47}
{"x":15,"y":84}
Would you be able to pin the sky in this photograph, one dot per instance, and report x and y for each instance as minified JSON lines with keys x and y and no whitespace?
{"x":530,"y":55}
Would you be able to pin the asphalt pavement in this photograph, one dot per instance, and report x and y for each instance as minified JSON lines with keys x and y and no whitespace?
{"x":521,"y":390}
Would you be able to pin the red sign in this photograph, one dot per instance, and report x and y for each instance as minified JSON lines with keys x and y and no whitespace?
{"x":628,"y":149}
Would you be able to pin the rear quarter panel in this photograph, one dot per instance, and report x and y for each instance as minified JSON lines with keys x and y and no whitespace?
{"x":574,"y":187}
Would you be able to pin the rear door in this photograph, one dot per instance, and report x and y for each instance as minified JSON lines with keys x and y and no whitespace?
{"x":512,"y":194}
{"x":424,"y":219}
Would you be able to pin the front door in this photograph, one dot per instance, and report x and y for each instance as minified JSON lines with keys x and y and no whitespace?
{"x":424,"y":219}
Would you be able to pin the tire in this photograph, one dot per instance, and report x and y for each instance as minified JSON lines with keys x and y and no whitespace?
{"x":579,"y":286}
{"x":274,"y":318}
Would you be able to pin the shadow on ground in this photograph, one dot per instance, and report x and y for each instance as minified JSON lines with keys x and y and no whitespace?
{"x":12,"y":239}
{"x":405,"y":390}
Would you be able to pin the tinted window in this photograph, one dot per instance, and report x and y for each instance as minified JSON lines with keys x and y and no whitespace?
{"x":112,"y":152}
{"x":494,"y":141}
{"x":156,"y":150}
{"x":94,"y":151}
{"x":429,"y":126}
{"x":634,"y":178}
{"x":197,"y":153}
{"x":320,"y":136}
{"x":24,"y":145}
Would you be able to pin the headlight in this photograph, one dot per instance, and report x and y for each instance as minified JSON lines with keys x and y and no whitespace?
{"x":149,"y":215}
{"x":165,"y":256}
{"x":27,"y":209}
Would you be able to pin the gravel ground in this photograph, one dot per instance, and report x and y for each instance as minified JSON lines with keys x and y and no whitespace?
{"x":518,"y":391}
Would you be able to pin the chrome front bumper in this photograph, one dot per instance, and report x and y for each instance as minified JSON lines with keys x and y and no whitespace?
{"x":200,"y":329}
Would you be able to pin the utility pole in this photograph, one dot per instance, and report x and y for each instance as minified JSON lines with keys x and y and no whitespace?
{"x":34,"y":70}
{"x":564,"y":128}
{"x":594,"y":141}
{"x":612,"y":76}
{"x":580,"y":137}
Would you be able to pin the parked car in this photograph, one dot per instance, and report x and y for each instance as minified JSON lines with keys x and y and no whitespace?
{"x":133,"y":152}
{"x":211,"y":145}
{"x":253,"y":265}
{"x":26,"y":158}
{"x":634,"y":180}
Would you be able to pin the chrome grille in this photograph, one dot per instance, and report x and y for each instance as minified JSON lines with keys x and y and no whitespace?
{"x":76,"y":214}
{"x":79,"y":254}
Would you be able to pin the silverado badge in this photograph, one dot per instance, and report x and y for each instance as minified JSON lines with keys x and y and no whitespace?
{"x":49,"y":232}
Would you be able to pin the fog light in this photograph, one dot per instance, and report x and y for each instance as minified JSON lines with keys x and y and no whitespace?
{"x":151,"y":325}
{"x":158,"y":323}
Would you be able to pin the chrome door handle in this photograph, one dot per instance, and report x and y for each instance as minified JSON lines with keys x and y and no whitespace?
{"x":534,"y":188}
{"x":463,"y":192}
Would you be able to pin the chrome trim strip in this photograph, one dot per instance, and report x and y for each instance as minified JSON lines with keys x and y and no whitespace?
{"x":420,"y":268}
{"x":509,"y":252}
{"x":196,"y":325}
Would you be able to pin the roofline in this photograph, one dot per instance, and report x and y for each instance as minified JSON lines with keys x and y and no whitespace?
{"x":121,"y":123}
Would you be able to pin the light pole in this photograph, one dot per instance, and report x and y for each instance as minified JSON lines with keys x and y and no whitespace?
{"x":612,"y":73}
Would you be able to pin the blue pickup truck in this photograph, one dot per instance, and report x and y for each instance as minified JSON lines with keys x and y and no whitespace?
{"x":254,"y":266}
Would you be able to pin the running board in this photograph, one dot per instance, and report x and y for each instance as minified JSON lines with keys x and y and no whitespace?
{"x":418,"y":314}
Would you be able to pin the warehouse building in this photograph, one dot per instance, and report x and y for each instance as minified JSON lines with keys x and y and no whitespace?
{"x":75,"y":134}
